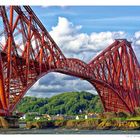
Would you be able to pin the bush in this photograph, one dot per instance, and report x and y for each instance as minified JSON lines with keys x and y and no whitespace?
{"x":137,"y":111}
{"x":110,"y":115}
{"x":123,"y":114}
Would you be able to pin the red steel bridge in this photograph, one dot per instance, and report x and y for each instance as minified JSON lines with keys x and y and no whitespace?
{"x":28,"y":52}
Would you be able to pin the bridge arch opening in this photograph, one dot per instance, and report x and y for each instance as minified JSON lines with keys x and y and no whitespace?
{"x":56,"y":83}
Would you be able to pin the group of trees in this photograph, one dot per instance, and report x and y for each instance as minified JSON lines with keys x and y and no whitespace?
{"x":70,"y":103}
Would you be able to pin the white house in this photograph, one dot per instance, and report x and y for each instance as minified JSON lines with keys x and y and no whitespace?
{"x":37,"y":118}
{"x":77,"y":118}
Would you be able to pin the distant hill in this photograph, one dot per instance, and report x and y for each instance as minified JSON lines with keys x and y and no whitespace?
{"x":70,"y":103}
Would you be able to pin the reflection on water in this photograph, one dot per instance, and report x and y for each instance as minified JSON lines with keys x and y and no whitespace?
{"x":65,"y":131}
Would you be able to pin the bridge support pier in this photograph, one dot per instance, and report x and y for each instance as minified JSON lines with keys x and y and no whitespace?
{"x":9,"y":122}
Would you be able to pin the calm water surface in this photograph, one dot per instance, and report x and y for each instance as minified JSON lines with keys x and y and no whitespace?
{"x":65,"y":131}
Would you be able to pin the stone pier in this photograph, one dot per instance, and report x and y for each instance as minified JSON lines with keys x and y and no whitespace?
{"x":9,"y":122}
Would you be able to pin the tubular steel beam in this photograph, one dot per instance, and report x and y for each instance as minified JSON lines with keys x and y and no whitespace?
{"x":121,"y":71}
{"x":28,"y":52}
{"x":2,"y":91}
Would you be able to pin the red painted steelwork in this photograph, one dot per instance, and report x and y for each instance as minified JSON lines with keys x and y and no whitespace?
{"x":27,"y":52}
{"x":118,"y":67}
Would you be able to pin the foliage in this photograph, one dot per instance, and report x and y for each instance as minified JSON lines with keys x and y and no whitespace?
{"x":71,"y":103}
{"x":30,"y":117}
{"x":123,"y":114}
{"x":137,"y":111}
{"x":137,"y":118}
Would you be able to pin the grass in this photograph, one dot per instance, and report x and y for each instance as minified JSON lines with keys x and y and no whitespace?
{"x":134,"y":118}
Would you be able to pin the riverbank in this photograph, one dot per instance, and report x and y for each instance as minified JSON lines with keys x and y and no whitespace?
{"x":88,"y":124}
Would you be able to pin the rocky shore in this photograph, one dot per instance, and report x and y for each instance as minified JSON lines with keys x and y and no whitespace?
{"x":9,"y":122}
{"x":95,"y":124}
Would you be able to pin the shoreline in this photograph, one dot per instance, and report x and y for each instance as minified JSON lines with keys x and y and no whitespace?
{"x":89,"y":124}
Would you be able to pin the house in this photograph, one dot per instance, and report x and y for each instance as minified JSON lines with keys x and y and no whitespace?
{"x":23,"y":117}
{"x":92,"y":115}
{"x":47,"y":116}
{"x":77,"y":118}
{"x":60,"y":117}
{"x":86,"y":116}
{"x":37,"y":118}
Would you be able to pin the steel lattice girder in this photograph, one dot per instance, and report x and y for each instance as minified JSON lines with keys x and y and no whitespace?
{"x":118,"y":67}
{"x":28,"y":52}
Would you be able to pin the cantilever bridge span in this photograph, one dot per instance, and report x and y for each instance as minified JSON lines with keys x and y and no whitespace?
{"x":27,"y":52}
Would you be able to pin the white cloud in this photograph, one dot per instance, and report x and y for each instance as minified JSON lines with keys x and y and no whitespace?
{"x":60,"y":83}
{"x":2,"y":42}
{"x":99,"y":41}
{"x":75,"y":44}
{"x":137,"y":35}
{"x":136,"y":44}
{"x":137,"y":38}
{"x":115,"y":19}
{"x":64,"y":27}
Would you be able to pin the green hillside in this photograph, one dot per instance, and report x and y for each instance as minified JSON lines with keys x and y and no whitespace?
{"x":69,"y":103}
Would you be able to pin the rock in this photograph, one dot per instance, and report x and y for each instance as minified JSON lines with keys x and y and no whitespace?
{"x":105,"y":124}
{"x":4,"y":123}
{"x":132,"y":125}
{"x":71,"y":124}
{"x":59,"y":123}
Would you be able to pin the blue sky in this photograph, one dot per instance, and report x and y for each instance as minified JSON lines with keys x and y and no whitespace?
{"x":83,"y":32}
{"x":93,"y":18}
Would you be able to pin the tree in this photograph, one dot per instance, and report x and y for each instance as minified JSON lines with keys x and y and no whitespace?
{"x":65,"y":103}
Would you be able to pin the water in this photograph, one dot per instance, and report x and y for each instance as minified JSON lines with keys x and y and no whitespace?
{"x":65,"y":131}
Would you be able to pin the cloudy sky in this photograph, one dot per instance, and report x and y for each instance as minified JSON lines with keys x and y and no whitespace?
{"x":83,"y":32}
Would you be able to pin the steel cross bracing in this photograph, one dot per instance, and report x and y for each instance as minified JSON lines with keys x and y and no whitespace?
{"x":27,"y":52}
{"x":119,"y":72}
